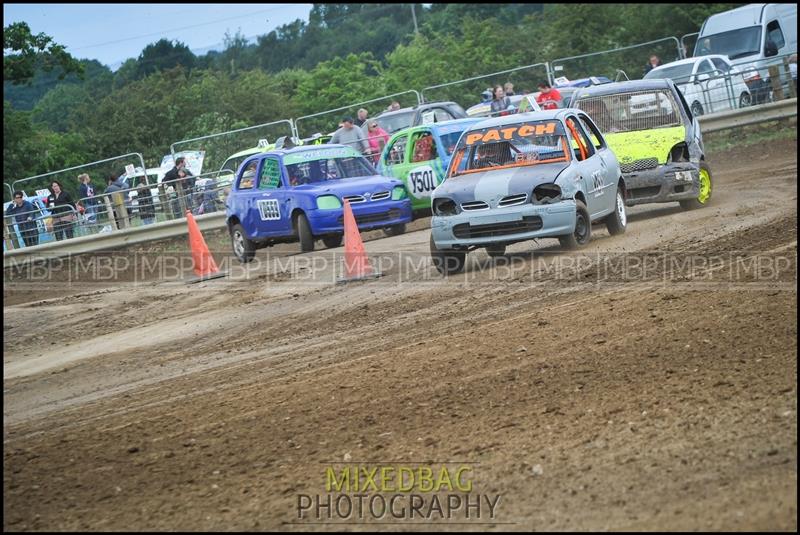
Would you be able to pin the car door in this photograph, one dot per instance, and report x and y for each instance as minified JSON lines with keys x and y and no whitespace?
{"x":272,"y":199}
{"x":606,"y":157}
{"x":243,"y":201}
{"x":712,"y":85}
{"x":591,"y":170}
{"x":395,"y":160}
{"x":424,"y":168}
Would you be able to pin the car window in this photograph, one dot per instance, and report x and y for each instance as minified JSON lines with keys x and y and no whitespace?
{"x":424,"y":148}
{"x":510,"y":145}
{"x":631,"y":111}
{"x":395,"y":121}
{"x":320,"y":166}
{"x":442,"y":114}
{"x":397,"y":152}
{"x":775,"y":34}
{"x":270,"y":174}
{"x":720,"y":64}
{"x":248,"y":176}
{"x":593,"y":131}
{"x":585,"y":148}
{"x":705,"y":67}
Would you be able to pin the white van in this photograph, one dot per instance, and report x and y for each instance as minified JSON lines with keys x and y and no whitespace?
{"x":754,"y":37}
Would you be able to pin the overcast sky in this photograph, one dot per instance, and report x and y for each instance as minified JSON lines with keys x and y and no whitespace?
{"x":112,"y":33}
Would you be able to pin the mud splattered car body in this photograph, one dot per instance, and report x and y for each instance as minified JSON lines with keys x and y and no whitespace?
{"x":525,"y":176}
{"x":657,"y":139}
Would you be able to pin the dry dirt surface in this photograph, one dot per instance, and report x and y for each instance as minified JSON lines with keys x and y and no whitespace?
{"x":647,"y":382}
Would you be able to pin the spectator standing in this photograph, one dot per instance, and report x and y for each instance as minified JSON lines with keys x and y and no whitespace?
{"x":500,"y":102}
{"x":508,"y":88}
{"x":361,"y":118}
{"x":86,"y":193}
{"x":62,"y":207}
{"x":147,"y":210}
{"x":377,"y":138}
{"x":351,"y":135}
{"x":394,"y":106}
{"x":654,"y":62}
{"x":24,"y":213}
{"x":549,"y":98}
{"x":187,"y":182}
{"x":115,"y":185}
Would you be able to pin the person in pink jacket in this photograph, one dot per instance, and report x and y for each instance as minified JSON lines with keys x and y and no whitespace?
{"x":377,"y":138}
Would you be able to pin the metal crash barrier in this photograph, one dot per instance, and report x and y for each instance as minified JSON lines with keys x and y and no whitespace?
{"x":218,"y":152}
{"x":472,"y":91}
{"x":633,"y":60}
{"x":69,"y":185}
{"x":352,"y":107}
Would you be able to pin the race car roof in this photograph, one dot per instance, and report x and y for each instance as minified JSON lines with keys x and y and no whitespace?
{"x":525,"y":117}
{"x":622,"y":87}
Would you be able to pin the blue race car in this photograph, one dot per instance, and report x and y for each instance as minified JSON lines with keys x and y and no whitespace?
{"x":297,"y":193}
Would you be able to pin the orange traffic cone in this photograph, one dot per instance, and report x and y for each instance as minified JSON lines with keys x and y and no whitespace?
{"x":356,"y":263}
{"x":204,"y":266}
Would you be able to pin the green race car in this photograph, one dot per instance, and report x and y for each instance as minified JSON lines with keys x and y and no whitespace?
{"x":419,"y":156}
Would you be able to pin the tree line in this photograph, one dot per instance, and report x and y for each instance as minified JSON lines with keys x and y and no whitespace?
{"x":343,"y":54}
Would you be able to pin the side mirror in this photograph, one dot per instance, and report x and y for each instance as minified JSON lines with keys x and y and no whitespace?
{"x":770,"y":48}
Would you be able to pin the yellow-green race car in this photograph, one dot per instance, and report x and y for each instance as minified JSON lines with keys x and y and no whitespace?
{"x":657,"y":139}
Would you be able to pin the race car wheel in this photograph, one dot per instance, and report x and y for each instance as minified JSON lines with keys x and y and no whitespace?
{"x":704,"y":194}
{"x":618,"y":220}
{"x":395,"y":230}
{"x":745,"y":100}
{"x":243,"y":248}
{"x":304,"y":234}
{"x":697,"y":108}
{"x":447,"y":262}
{"x":332,"y":241}
{"x":583,"y":229}
{"x":496,"y":250}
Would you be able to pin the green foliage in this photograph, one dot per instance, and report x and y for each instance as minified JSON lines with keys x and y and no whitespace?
{"x":162,"y":55}
{"x":29,"y":52}
{"x":344,"y":54}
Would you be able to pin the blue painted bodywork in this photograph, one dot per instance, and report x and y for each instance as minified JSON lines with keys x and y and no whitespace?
{"x":267,"y":214}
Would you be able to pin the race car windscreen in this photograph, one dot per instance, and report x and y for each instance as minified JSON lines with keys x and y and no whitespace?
{"x":396,"y":121}
{"x":510,"y":145}
{"x":631,"y":112}
{"x":321,"y":166}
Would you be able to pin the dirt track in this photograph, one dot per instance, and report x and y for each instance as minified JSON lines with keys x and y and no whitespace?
{"x":591,"y":397}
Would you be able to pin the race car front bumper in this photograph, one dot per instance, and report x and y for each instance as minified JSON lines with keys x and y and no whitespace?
{"x":503,"y":225}
{"x":369,"y":215}
{"x":666,"y":183}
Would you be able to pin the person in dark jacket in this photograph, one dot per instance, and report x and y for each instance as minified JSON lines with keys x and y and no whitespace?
{"x":24,"y":213}
{"x":147,"y":210}
{"x":115,"y":185}
{"x":180,"y":171}
{"x":62,"y":207}
{"x":500,"y":101}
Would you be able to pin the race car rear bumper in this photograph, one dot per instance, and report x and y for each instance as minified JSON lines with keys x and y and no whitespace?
{"x":503,"y":225}
{"x":666,"y":183}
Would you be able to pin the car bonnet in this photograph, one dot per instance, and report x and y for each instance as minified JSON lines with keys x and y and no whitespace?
{"x":492,"y":185}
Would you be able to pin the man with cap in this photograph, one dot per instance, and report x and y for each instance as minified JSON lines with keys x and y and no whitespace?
{"x":352,"y":136}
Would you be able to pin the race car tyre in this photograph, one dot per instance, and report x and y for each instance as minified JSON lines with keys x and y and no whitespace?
{"x":304,"y":234}
{"x":745,"y":100}
{"x":447,"y":262}
{"x":243,"y":248}
{"x":697,"y":108}
{"x":618,"y":220}
{"x":496,"y":250}
{"x":704,"y":195}
{"x":332,"y":241}
{"x":395,"y":230}
{"x":583,"y":229}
